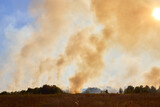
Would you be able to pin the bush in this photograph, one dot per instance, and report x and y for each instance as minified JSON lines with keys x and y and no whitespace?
{"x":141,"y":89}
{"x":46,"y":89}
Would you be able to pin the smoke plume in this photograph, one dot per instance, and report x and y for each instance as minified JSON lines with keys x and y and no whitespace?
{"x":90,"y":53}
{"x":127,"y":24}
{"x":153,"y":77}
{"x":35,"y":57}
{"x":135,"y":28}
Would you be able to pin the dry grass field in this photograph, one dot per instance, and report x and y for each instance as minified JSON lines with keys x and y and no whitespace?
{"x":81,"y":100}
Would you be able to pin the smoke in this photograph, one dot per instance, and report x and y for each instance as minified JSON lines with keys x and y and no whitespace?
{"x":90,"y":53}
{"x":129,"y":71}
{"x":153,"y":77}
{"x":92,"y":90}
{"x":133,"y":24}
{"x":41,"y":42}
{"x":87,"y":50}
{"x":36,"y":55}
{"x":134,"y":29}
{"x":127,"y":24}
{"x":84,"y":47}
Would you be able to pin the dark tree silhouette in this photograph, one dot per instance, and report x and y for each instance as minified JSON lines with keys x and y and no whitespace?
{"x":129,"y":89}
{"x":106,"y":91}
{"x":121,"y":91}
{"x":46,"y":89}
{"x":153,"y":89}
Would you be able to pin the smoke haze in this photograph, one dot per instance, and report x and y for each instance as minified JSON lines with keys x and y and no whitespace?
{"x":83,"y":32}
{"x":153,"y":77}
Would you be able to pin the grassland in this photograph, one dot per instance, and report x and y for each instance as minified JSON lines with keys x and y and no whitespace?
{"x":81,"y":100}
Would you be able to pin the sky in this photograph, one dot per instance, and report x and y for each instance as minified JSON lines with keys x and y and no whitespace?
{"x":12,"y":13}
{"x":77,"y":44}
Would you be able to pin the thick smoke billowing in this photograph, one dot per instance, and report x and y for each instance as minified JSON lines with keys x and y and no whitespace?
{"x":153,"y":77}
{"x":125,"y":23}
{"x":35,"y":48}
{"x":35,"y":57}
{"x":135,"y":28}
{"x":90,"y":53}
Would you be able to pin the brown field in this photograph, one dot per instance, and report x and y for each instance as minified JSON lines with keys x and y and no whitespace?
{"x":81,"y":100}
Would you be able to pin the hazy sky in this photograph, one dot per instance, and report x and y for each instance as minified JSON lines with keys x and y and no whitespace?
{"x":12,"y":13}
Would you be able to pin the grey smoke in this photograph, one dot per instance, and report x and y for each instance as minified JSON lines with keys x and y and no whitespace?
{"x":92,"y":90}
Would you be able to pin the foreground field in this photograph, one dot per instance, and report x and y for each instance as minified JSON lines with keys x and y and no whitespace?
{"x":81,"y":100}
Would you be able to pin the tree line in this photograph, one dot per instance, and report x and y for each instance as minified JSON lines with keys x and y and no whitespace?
{"x":45,"y":89}
{"x":53,"y":89}
{"x":139,"y":89}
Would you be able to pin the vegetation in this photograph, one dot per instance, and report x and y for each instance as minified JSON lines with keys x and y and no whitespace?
{"x":106,"y":91}
{"x":140,"y":89}
{"x":46,"y":89}
{"x":120,"y":90}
